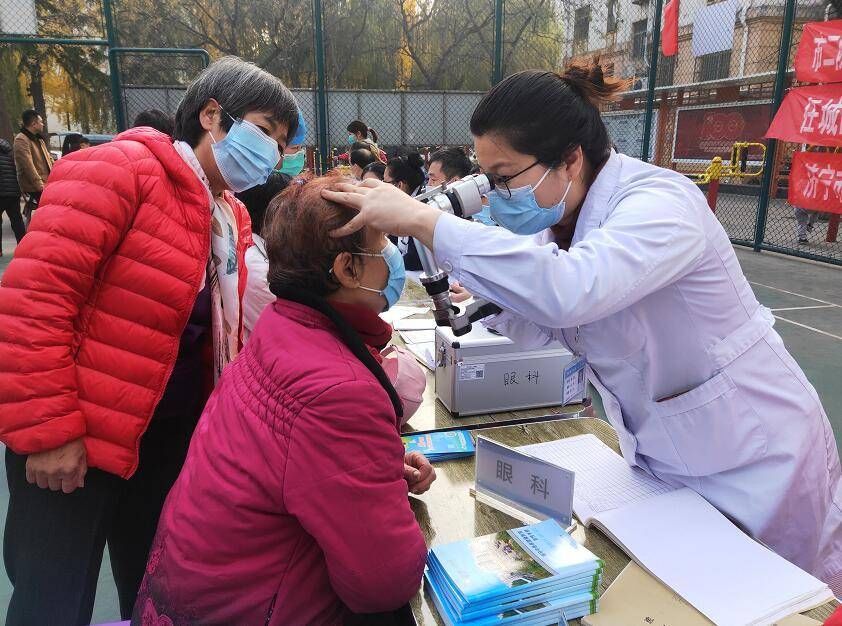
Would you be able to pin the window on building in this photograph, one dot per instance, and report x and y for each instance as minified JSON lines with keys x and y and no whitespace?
{"x":666,"y":71}
{"x":713,"y":66}
{"x":611,"y":26}
{"x":639,"y":40}
{"x":581,"y":30}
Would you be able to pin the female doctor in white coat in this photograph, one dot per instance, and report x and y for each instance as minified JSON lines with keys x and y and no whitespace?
{"x":629,"y":268}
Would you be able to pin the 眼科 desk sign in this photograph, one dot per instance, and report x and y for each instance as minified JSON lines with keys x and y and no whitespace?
{"x":520,"y":485}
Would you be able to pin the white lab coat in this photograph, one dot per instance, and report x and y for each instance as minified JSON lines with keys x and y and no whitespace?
{"x":695,"y":380}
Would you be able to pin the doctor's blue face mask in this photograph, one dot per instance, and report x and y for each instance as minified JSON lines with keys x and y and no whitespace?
{"x":397,"y":274}
{"x":520,"y":212}
{"x":246,"y":156}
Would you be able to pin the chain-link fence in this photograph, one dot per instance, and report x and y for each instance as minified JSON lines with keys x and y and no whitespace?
{"x":414,"y":70}
{"x":155,"y":78}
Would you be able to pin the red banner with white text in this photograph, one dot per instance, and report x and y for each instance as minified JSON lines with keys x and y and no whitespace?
{"x":819,"y":55}
{"x":815,"y":181}
{"x":811,"y":115}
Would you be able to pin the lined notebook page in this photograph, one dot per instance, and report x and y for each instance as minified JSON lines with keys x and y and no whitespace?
{"x":681,"y":539}
{"x":604,"y":480}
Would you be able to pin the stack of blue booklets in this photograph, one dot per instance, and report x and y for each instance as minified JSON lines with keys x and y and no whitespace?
{"x":441,"y":446}
{"x":535,"y":575}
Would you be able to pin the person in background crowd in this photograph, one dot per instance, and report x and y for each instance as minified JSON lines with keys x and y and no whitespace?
{"x":805,"y":219}
{"x":375,"y":152}
{"x":9,"y":193}
{"x":73,"y":142}
{"x":360,"y":159}
{"x":84,"y":143}
{"x":32,"y":158}
{"x":359,"y":132}
{"x":448,"y":165}
{"x":257,"y":295}
{"x":406,"y":172}
{"x":157,"y":119}
{"x":375,"y":170}
{"x":121,"y":307}
{"x":296,"y":475}
{"x":295,"y":158}
{"x":451,"y":164}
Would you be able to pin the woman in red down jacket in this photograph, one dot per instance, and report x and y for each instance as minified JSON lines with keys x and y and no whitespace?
{"x":121,"y":305}
{"x":292,"y":505}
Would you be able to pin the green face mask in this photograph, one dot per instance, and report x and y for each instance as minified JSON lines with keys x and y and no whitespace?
{"x":293,"y":163}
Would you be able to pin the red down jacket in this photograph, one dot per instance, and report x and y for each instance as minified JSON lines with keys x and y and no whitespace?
{"x":96,"y":298}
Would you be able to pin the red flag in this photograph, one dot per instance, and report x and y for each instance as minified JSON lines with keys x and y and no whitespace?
{"x":669,"y":32}
{"x":815,"y":181}
{"x":810,"y":115}
{"x":819,"y":56}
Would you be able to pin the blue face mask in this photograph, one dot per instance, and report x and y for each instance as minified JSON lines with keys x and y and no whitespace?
{"x":293,"y":163}
{"x":246,"y":156}
{"x":484,"y":216}
{"x":397,"y":274}
{"x":521,"y":213}
{"x":352,"y":139}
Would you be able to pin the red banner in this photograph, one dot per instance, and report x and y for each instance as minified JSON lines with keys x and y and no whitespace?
{"x":815,"y":181}
{"x":702,"y":134}
{"x":669,"y":31}
{"x":811,"y":115}
{"x":819,"y":56}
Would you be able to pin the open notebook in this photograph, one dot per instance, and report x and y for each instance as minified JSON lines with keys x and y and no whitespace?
{"x":681,"y":539}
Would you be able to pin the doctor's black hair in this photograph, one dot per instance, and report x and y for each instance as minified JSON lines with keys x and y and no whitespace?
{"x":548,"y":115}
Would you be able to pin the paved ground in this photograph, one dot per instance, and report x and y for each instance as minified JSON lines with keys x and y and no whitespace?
{"x":806,"y":299}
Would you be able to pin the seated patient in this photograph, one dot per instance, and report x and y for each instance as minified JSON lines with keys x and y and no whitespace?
{"x":292,"y":505}
{"x":400,"y":365}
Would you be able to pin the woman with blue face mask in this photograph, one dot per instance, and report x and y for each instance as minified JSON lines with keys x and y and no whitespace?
{"x":360,"y":133}
{"x":128,"y":285}
{"x":624,"y":262}
{"x":296,"y":474}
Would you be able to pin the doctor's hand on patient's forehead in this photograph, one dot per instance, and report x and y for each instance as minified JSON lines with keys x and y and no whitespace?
{"x":381,"y":206}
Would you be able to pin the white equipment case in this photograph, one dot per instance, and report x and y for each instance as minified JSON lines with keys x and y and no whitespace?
{"x":483,"y":372}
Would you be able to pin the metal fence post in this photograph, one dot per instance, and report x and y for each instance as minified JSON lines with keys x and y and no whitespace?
{"x":321,"y":92}
{"x":113,"y":66}
{"x":497,"y":66}
{"x":771,"y":147}
{"x":650,"y":83}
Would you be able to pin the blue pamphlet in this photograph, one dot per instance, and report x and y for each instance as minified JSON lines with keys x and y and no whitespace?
{"x":441,"y":446}
{"x":528,"y":575}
